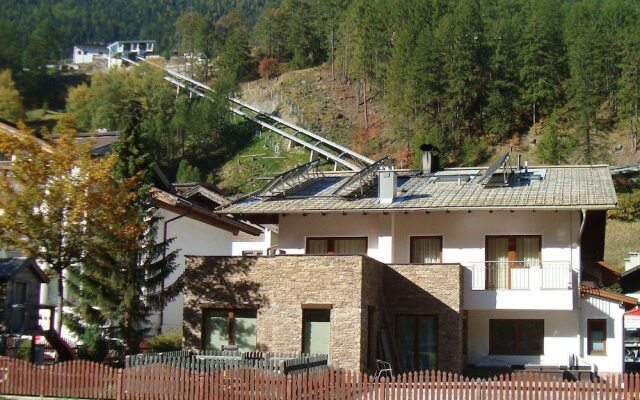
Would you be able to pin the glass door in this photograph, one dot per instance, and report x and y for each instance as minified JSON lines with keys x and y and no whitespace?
{"x":417,"y":342}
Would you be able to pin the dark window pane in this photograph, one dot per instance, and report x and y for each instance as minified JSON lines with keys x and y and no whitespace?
{"x":596,"y":336}
{"x":417,"y":342}
{"x":428,"y":345}
{"x":406,"y":339}
{"x":516,"y":337}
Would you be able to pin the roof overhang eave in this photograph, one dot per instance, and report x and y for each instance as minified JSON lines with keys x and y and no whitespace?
{"x":415,"y":209}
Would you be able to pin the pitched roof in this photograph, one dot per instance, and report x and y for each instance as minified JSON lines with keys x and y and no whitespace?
{"x":10,"y":129}
{"x":10,"y":266}
{"x":605,"y":294}
{"x":556,"y":187}
{"x":202,"y":192}
{"x":179,"y":204}
{"x":92,"y":48}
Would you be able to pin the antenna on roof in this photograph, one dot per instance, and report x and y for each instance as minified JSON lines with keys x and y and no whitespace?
{"x":359,"y":182}
{"x":290,"y":180}
{"x":486,"y":178}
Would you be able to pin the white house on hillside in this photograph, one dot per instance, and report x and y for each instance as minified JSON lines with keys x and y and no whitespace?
{"x":528,"y":240}
{"x":130,"y":49}
{"x":86,"y":53}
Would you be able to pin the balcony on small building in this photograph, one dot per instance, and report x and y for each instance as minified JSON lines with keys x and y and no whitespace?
{"x":509,"y":285}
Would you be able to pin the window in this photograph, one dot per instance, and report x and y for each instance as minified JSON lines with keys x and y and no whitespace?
{"x":597,"y":337}
{"x":426,"y":249}
{"x":417,"y":342}
{"x":316,"y":330}
{"x":507,"y":257}
{"x":17,"y":308}
{"x":522,"y":337}
{"x":331,"y":245}
{"x":224,"y":326}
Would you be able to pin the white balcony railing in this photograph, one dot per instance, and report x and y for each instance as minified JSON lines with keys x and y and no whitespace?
{"x":520,"y":275}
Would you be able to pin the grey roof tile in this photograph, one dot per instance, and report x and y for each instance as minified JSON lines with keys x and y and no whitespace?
{"x":562,"y":187}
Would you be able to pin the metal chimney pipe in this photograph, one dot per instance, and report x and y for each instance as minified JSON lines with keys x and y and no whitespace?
{"x":428,"y":159}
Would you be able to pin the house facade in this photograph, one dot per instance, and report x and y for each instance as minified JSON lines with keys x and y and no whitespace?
{"x":187,"y":219}
{"x":129,"y":49}
{"x":525,"y":240}
{"x":20,"y":280}
{"x":87,"y":53}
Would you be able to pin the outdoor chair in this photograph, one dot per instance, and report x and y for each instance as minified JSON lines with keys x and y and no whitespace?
{"x":384,"y":369}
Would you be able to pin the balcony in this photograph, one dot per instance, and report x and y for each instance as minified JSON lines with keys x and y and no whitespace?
{"x":516,"y":285}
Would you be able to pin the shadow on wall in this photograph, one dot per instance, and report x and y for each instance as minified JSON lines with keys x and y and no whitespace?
{"x":423,"y":294}
{"x":219,"y":281}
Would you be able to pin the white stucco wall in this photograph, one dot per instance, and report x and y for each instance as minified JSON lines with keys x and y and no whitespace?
{"x":565,"y":334}
{"x":464,"y":234}
{"x":245,"y":242}
{"x":560,"y":331}
{"x":463,"y":241}
{"x":191,"y":237}
{"x":294,"y":229}
{"x":597,"y":308}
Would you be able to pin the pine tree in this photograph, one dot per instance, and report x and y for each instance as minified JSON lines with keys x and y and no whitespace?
{"x":187,"y":173}
{"x":234,"y":58}
{"x":126,"y":281}
{"x":629,"y":81}
{"x":503,"y":36}
{"x":462,"y":37}
{"x":542,"y":58}
{"x":586,"y":44}
{"x":555,"y":145}
{"x":11,"y":107}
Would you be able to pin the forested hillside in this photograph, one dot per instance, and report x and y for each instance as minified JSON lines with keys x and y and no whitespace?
{"x":465,"y":75}
{"x":55,"y":25}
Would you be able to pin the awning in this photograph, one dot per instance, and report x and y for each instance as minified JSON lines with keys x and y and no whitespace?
{"x":632,"y":319}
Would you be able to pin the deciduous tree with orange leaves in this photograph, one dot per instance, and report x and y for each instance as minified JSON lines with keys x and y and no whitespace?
{"x":56,"y":201}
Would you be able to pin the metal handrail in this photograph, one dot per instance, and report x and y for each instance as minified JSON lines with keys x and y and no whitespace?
{"x":521,"y":275}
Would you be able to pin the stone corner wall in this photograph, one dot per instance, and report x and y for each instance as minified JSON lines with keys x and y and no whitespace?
{"x":431,"y":289}
{"x":279,"y":287}
{"x":363,"y":294}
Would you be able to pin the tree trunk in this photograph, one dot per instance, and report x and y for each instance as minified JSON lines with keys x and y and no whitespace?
{"x":534,"y":112}
{"x":333,"y":60}
{"x":366,"y":108}
{"x":60,"y":303}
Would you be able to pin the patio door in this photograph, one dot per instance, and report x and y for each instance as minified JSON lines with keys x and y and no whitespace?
{"x":417,"y":342}
{"x":508,"y":259}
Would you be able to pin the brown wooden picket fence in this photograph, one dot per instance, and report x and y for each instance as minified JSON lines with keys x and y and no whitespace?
{"x":83,"y":379}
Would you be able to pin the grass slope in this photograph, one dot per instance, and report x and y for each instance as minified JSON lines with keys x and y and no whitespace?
{"x":250,"y":168}
{"x":621,"y":238}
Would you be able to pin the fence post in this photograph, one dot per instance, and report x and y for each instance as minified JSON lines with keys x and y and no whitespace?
{"x":120,"y":385}
{"x":40,"y":377}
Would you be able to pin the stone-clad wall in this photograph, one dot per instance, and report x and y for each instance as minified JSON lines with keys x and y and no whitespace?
{"x":279,"y":287}
{"x":373,"y":276}
{"x":360,"y":290}
{"x":430,"y":289}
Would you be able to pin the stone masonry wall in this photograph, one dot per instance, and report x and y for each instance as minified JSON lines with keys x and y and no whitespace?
{"x":430,"y":289}
{"x":372,"y":281}
{"x":363,"y":293}
{"x":279,"y":287}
